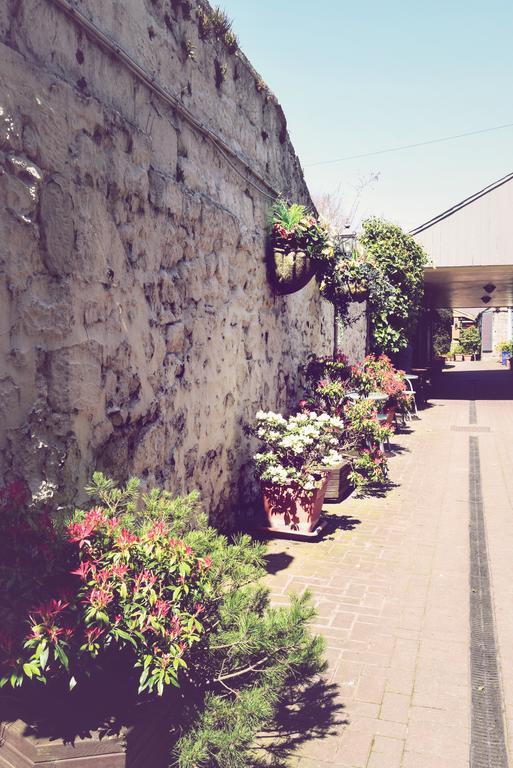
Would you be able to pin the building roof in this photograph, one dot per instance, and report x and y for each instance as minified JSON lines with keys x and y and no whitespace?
{"x":462,"y":204}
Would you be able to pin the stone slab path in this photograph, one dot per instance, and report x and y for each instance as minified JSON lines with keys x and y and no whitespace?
{"x":391,"y":584}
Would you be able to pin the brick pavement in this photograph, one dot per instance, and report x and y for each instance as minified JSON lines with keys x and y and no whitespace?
{"x":390,"y":582}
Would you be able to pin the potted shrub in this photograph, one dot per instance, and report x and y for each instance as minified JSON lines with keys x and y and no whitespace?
{"x":377,"y":374}
{"x":331,"y":386}
{"x":297,"y":240}
{"x":181,"y":578}
{"x":470,"y":341}
{"x":457,"y":351}
{"x":505,"y":349}
{"x":293,"y":467}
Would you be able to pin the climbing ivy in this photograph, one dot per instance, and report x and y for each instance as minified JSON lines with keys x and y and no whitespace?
{"x":400,"y":262}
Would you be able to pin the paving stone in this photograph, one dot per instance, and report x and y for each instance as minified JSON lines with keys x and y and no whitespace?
{"x":393,"y":595}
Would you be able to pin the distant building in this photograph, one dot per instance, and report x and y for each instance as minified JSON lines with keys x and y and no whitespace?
{"x":496,"y":325}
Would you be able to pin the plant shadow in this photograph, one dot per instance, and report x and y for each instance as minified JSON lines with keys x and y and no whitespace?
{"x":336,"y":522}
{"x":376,"y":490}
{"x":277,"y":561}
{"x":311,"y":711}
{"x":395,"y":449}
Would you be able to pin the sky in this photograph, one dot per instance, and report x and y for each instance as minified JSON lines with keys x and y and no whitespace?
{"x":362,"y":76}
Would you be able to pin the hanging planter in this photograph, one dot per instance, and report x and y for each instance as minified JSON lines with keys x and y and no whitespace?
{"x":296,"y":241}
{"x":357,"y":292}
{"x":291,"y":271}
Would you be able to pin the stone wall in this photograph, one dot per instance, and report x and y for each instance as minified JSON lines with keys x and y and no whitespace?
{"x":138,"y":328}
{"x":352,"y":335}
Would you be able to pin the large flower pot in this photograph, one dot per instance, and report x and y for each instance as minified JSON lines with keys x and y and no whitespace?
{"x":49,"y":726}
{"x":291,"y":270}
{"x":338,"y":483}
{"x":290,"y":509}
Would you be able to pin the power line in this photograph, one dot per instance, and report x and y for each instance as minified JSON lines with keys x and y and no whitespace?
{"x":410,"y":146}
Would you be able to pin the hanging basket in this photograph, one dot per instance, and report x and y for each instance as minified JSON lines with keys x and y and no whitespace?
{"x":290,"y":271}
{"x":357,"y":293}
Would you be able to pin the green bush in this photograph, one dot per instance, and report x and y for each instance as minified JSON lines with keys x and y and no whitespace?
{"x":470,"y":340}
{"x":505,"y":346}
{"x":400,"y":261}
{"x":241,"y":660}
{"x":442,"y":331}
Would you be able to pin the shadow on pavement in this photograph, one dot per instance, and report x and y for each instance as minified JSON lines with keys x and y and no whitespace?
{"x":310,"y":712}
{"x":277,"y":561}
{"x":480,"y":384}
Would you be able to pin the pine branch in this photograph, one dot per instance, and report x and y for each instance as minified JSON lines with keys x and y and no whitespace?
{"x":240,"y":672}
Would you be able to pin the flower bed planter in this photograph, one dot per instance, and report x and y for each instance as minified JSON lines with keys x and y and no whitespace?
{"x":21,"y":749}
{"x":338,"y":483}
{"x":290,"y":510}
{"x":59,"y":730}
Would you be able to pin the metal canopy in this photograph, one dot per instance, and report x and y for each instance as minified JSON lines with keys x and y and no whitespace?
{"x":471,"y":248}
{"x":459,"y":287}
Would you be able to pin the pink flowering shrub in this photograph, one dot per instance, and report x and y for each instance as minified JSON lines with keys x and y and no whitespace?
{"x":140,"y":592}
{"x":122,"y":585}
{"x":377,"y":374}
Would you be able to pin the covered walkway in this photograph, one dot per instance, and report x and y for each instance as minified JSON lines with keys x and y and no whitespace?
{"x":415,"y":594}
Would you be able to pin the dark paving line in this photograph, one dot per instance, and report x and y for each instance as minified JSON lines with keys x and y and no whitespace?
{"x":476,"y":428}
{"x":487,"y":740}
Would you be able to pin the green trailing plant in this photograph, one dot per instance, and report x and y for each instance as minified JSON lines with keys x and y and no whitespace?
{"x":400,"y":261}
{"x":246,"y":661}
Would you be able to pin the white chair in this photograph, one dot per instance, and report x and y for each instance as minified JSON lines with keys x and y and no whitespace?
{"x":411,"y":394}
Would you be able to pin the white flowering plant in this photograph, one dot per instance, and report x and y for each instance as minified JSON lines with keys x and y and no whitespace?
{"x":298,"y":448}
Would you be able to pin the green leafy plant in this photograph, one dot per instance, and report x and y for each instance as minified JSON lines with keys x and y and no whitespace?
{"x":442,"y":331}
{"x":400,"y":261}
{"x":470,"y":340}
{"x":249,"y":660}
{"x":505,"y":346}
{"x":293,"y":229}
{"x":134,"y":587}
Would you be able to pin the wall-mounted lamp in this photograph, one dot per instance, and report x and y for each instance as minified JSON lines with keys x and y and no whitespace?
{"x":486,"y":299}
{"x":489,"y":287}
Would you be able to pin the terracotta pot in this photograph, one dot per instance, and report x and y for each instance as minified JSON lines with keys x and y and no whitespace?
{"x":289,"y":508}
{"x":291,"y":270}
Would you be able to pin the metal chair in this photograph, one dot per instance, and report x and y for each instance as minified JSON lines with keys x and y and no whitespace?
{"x":411,"y":394}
